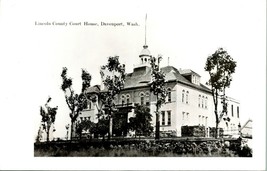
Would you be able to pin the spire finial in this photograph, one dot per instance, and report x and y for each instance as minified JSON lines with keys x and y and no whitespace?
{"x":145,"y":29}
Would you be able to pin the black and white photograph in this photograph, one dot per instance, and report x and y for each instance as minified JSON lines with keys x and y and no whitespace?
{"x":133,"y":85}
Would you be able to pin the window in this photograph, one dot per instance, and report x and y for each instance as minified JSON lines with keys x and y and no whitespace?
{"x":122,"y":100}
{"x":203,"y":120}
{"x":169,"y":95}
{"x":237,"y":111}
{"x":232,"y":107}
{"x":199,"y":119}
{"x":89,"y":105}
{"x":147,"y":96}
{"x":202,"y":102}
{"x":187,"y":118}
{"x":183,"y":96}
{"x":162,"y":117}
{"x":206,"y":121}
{"x":128,"y":99}
{"x":183,"y":116}
{"x":169,"y":117}
{"x":142,"y":98}
{"x":199,"y":100}
{"x":206,"y":103}
{"x":187,"y":93}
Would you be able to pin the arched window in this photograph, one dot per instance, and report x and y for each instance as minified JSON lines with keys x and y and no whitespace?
{"x":206,"y":103}
{"x":147,"y":98}
{"x":202,"y":102}
{"x":187,"y":94}
{"x":90,"y":105}
{"x":128,"y":98}
{"x":162,"y":117}
{"x":169,"y":95}
{"x":183,"y":95}
{"x":199,"y":100}
{"x":142,"y":98}
{"x":169,"y":117}
{"x":122,"y":100}
{"x":187,"y":118}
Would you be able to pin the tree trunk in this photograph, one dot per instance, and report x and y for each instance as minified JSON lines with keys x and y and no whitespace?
{"x":216,"y":129}
{"x":157,"y":135}
{"x":47,"y":138}
{"x":110,"y":125}
{"x":47,"y":132}
{"x":71,"y":130}
{"x":215,"y":100}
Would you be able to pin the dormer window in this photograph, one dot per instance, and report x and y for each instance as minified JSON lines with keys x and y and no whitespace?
{"x":191,"y":76}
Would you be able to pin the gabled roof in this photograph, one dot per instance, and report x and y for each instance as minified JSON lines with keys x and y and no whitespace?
{"x":93,"y":89}
{"x":188,"y":72}
{"x":246,"y":130}
{"x":173,"y":74}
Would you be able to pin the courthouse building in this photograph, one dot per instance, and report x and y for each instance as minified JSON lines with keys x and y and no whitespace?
{"x":188,"y":101}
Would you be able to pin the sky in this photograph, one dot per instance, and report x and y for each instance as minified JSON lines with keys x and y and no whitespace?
{"x":186,"y":32}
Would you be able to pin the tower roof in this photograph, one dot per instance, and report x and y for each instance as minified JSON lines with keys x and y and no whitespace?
{"x":145,"y":51}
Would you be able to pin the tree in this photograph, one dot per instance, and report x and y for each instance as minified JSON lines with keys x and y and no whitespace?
{"x":119,"y":124}
{"x":113,"y":77}
{"x":158,"y":88}
{"x":220,"y":66}
{"x":101,"y":127}
{"x":84,"y":125}
{"x":141,"y":122}
{"x":75,"y":102}
{"x":48,"y":117}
